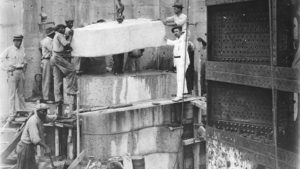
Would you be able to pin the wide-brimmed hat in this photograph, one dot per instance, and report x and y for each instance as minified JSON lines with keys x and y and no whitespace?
{"x":178,"y":5}
{"x":60,"y":26}
{"x":49,"y":31}
{"x":18,"y":37}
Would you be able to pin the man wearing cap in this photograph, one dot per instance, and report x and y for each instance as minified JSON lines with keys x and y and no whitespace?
{"x":13,"y":62}
{"x":47,"y":75}
{"x":69,"y":26}
{"x":181,"y":60}
{"x":61,"y":66}
{"x":179,"y":19}
{"x":33,"y":135}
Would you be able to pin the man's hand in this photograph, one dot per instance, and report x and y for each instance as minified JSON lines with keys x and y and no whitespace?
{"x":164,"y":22}
{"x":11,"y":68}
{"x":165,"y":38}
{"x":71,"y":33}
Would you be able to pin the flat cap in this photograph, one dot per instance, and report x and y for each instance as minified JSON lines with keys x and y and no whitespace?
{"x":41,"y":106}
{"x":178,"y":5}
{"x":18,"y":37}
{"x":60,"y":26}
{"x":49,"y":31}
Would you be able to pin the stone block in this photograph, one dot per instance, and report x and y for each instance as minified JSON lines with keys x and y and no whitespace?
{"x":96,"y":90}
{"x":138,"y":142}
{"x":139,"y":130}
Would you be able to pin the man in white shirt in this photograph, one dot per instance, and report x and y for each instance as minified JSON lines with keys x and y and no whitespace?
{"x":179,"y":19}
{"x":47,"y":76}
{"x":181,"y":60}
{"x":13,"y":62}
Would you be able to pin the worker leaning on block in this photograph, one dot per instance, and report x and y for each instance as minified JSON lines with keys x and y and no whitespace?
{"x":61,"y":66}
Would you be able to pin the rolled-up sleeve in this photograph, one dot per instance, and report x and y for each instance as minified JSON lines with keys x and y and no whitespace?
{"x":180,"y":21}
{"x":34,"y":133}
{"x":169,"y":19}
{"x":3,"y":59}
{"x":51,"y":118}
{"x":171,"y":42}
{"x":63,"y":40}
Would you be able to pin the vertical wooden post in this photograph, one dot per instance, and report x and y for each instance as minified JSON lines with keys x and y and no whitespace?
{"x":196,"y":150}
{"x":273,"y":61}
{"x":56,"y":141}
{"x":78,"y":120}
{"x":70,"y":145}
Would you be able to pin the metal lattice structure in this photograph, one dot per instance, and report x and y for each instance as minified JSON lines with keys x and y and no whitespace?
{"x":244,"y":91}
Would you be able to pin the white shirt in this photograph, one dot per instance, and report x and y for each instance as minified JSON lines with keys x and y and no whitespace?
{"x":59,"y":41}
{"x":46,"y":45}
{"x":12,"y":57}
{"x":180,"y":20}
{"x":180,"y":49}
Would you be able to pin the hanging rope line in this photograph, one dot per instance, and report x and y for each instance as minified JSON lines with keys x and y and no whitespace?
{"x":273,"y":56}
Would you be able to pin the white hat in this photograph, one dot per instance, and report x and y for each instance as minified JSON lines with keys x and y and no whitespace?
{"x":41,"y":106}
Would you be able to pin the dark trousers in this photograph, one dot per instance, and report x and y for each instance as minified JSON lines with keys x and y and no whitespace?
{"x":118,"y":63}
{"x":63,"y":68}
{"x":26,"y":156}
{"x":189,"y":75}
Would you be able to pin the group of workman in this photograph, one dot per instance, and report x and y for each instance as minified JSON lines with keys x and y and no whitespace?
{"x":56,"y":55}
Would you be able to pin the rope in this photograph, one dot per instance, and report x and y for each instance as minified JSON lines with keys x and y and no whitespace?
{"x":274,"y":92}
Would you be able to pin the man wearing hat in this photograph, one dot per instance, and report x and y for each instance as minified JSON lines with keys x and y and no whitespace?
{"x":179,"y":19}
{"x":61,"y":66}
{"x":33,"y":135}
{"x":13,"y":62}
{"x":47,"y":75}
{"x":181,"y":60}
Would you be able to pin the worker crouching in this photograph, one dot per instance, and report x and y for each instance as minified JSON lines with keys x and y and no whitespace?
{"x":33,"y":135}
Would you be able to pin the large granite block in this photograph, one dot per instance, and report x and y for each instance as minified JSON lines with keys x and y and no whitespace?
{"x":139,"y":130}
{"x":100,"y":90}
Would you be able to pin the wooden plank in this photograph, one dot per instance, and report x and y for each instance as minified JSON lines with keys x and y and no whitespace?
{"x":220,"y":2}
{"x":190,"y":141}
{"x":5,"y":153}
{"x":199,"y":103}
{"x":78,"y":159}
{"x":145,"y":104}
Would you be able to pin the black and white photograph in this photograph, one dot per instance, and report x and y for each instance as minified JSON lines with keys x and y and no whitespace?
{"x":149,"y":84}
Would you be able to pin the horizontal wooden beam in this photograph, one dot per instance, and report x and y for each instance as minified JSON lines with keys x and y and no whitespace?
{"x":284,"y":79}
{"x":199,"y":103}
{"x":191,"y":141}
{"x":144,"y":104}
{"x":219,"y":2}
